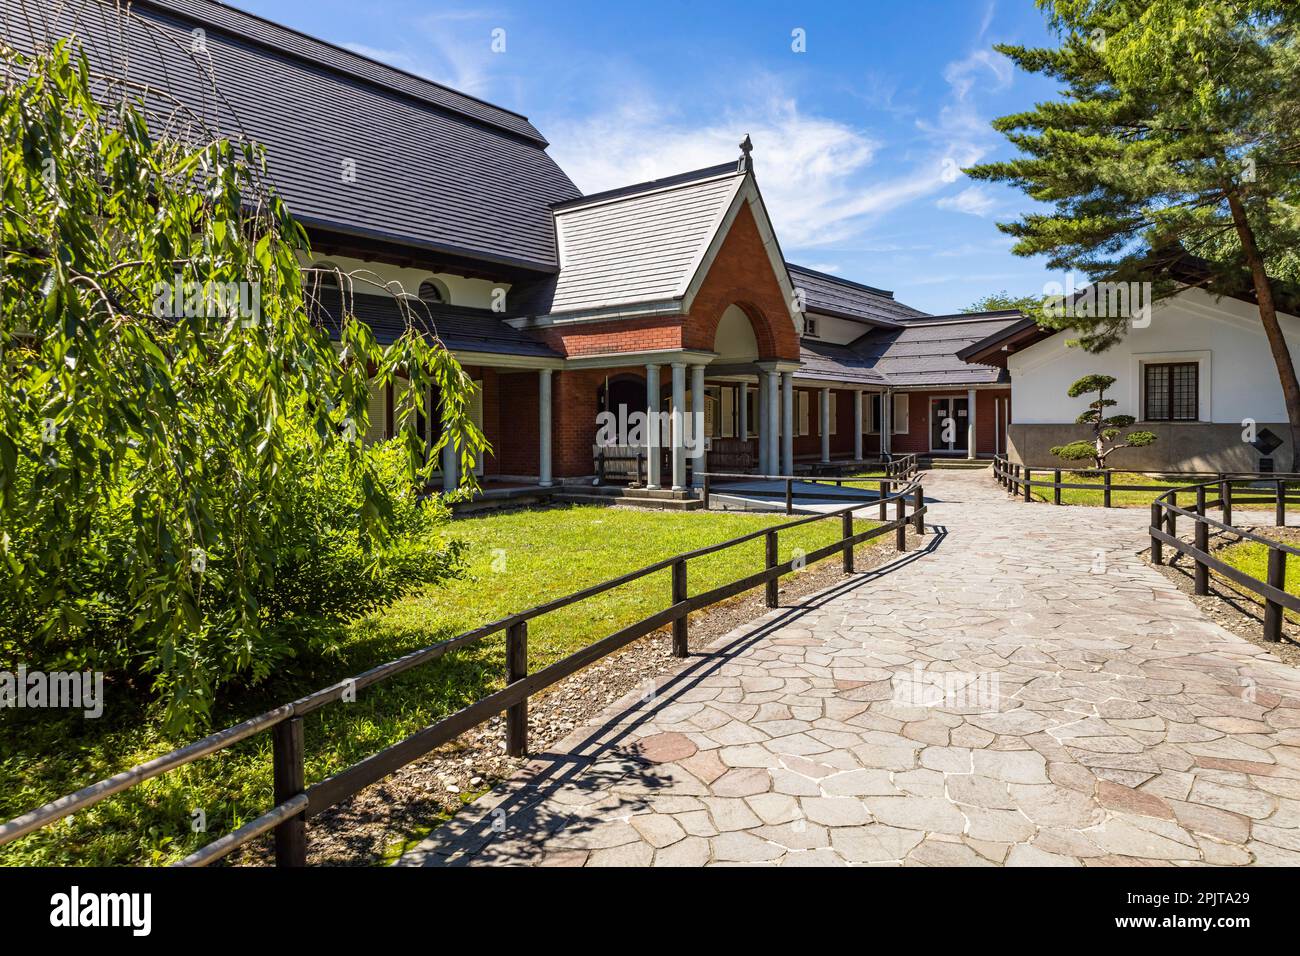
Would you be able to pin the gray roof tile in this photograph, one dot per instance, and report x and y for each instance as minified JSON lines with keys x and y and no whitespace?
{"x":460,"y":329}
{"x":831,"y":295}
{"x":434,"y":169}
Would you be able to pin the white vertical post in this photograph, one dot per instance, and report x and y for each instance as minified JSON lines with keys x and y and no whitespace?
{"x":652,"y":434}
{"x":544,"y":427}
{"x":857,"y":426}
{"x":450,"y":467}
{"x":886,"y":423}
{"x":773,"y":425}
{"x":787,"y":416}
{"x":696,"y":431}
{"x":997,"y":426}
{"x":824,"y":423}
{"x":764,"y":459}
{"x":743,"y":413}
{"x":970,"y":423}
{"x":679,"y":422}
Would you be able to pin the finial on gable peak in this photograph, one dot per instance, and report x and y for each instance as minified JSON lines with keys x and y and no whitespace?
{"x":746,"y":163}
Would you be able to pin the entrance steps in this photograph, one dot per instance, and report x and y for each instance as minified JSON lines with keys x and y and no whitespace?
{"x":930,"y":464}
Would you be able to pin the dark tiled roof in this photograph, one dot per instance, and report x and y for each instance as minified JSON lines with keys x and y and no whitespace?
{"x":828,"y":361}
{"x":459,"y":328}
{"x":924,"y":351}
{"x":433,"y":169}
{"x":838,"y":297}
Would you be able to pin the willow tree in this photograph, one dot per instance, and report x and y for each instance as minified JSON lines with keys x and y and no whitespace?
{"x":1177,"y":131}
{"x":162,"y":381}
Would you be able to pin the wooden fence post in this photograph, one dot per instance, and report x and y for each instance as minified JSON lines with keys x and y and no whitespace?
{"x":900,"y":533}
{"x":884,"y":506}
{"x":1171,"y":516}
{"x":1202,"y":571}
{"x":1029,"y":474}
{"x":706,"y":492}
{"x":1105,"y":494}
{"x":517,"y":670}
{"x":681,"y":647}
{"x":918,"y":502}
{"x":1273,"y":610}
{"x":1279,"y":509}
{"x":1056,"y":491}
{"x":1225,"y":495}
{"x":287,"y":761}
{"x":770,"y":541}
{"x":847,"y":527}
{"x":789,"y":496}
{"x":1157,"y":546}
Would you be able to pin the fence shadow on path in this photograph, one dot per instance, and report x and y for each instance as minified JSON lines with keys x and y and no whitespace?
{"x":565,"y":792}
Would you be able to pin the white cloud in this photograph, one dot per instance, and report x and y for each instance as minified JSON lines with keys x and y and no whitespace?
{"x":814,"y":171}
{"x":961,"y":75}
{"x":972,"y":200}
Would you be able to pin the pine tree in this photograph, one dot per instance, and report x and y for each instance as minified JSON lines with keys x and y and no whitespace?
{"x":1105,"y":428}
{"x":1177,"y":132}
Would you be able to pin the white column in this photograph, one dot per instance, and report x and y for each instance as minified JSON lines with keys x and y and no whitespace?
{"x":679,"y":421}
{"x":857,"y":426}
{"x":652,"y":433}
{"x":773,"y":424}
{"x":970,"y":423}
{"x":743,"y":413}
{"x":787,"y":417}
{"x":764,"y":416}
{"x":824,"y":423}
{"x":697,"y":426}
{"x":450,"y":467}
{"x":886,"y":423}
{"x":544,"y":426}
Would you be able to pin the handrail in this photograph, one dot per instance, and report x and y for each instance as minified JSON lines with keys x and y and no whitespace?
{"x":295,"y":801}
{"x":903,"y":469}
{"x":1163,"y":530}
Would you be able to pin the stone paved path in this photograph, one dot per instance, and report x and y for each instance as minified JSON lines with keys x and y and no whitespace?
{"x":1022,"y":691}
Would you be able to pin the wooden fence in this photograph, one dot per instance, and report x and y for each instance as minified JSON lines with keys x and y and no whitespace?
{"x":1232,"y":490}
{"x":296,"y":801}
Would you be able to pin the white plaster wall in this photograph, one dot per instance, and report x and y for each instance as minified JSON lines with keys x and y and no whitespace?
{"x":837,"y":331}
{"x":473,"y":293}
{"x":1238,"y":378}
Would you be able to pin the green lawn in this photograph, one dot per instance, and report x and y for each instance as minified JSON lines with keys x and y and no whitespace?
{"x":515,"y":560}
{"x":1251,"y":557}
{"x":1119,"y":499}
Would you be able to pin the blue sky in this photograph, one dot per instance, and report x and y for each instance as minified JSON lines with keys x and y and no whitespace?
{"x":858,"y":140}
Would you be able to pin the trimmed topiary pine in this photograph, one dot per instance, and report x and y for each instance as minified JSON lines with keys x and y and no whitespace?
{"x":1106,"y":429}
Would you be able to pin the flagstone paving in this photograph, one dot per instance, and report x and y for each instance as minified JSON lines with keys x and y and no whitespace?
{"x":1023,"y":690}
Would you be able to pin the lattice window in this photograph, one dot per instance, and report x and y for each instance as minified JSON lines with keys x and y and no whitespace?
{"x":1171,"y":392}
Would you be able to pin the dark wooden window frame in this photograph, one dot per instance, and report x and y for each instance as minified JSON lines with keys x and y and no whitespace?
{"x":1170,"y":391}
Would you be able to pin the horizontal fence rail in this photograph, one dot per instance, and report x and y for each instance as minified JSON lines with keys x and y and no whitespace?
{"x":296,"y":801}
{"x":1232,"y":490}
{"x":1020,"y":481}
{"x":897,"y":474}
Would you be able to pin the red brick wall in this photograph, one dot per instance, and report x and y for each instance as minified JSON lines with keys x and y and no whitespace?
{"x":573,"y":402}
{"x":519,"y":450}
{"x":616,"y":335}
{"x":491,"y":416}
{"x":742,"y":275}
